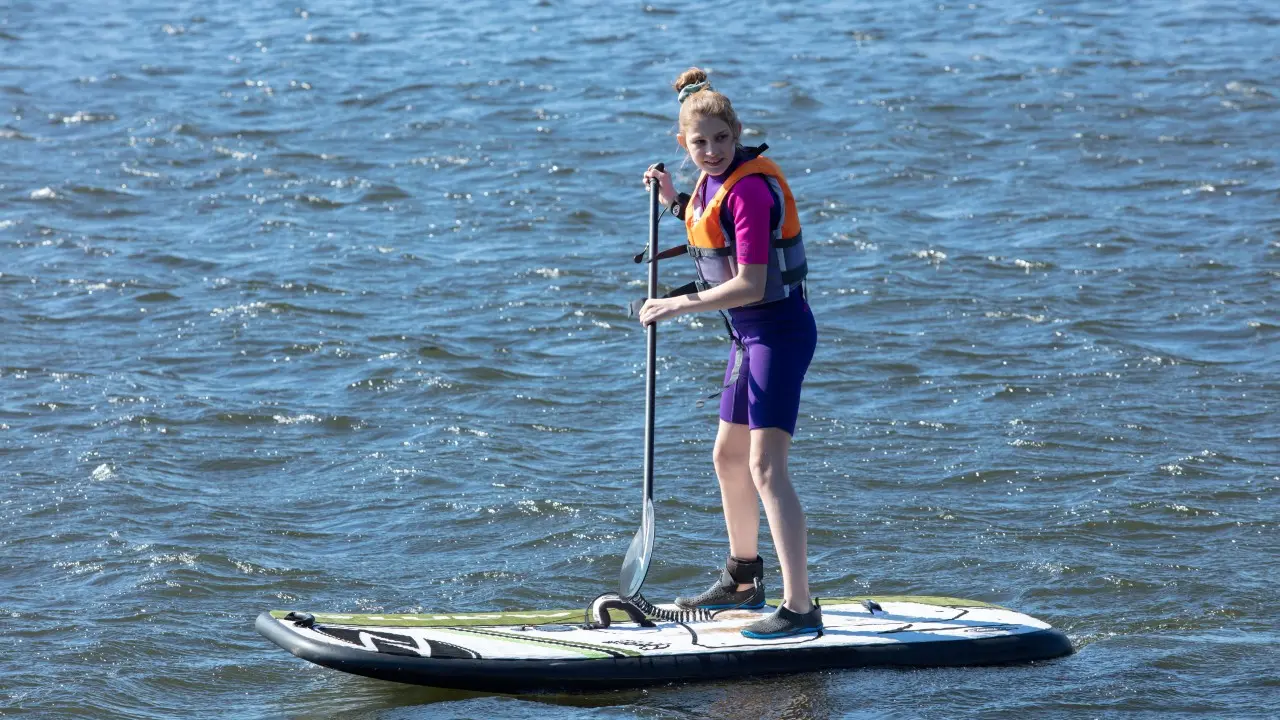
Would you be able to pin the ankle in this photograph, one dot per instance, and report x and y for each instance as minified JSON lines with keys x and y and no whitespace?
{"x":798,"y":608}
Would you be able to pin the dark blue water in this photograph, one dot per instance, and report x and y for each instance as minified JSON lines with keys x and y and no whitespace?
{"x":322,"y":307}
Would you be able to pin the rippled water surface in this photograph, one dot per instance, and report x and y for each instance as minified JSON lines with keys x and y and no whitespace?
{"x":322,"y":307}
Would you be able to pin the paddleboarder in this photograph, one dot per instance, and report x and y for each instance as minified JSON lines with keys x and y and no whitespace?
{"x":744,"y":238}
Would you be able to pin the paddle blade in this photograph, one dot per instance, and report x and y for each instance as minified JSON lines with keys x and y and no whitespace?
{"x":636,"y":565}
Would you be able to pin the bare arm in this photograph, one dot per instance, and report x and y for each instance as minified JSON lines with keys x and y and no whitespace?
{"x":745,"y":288}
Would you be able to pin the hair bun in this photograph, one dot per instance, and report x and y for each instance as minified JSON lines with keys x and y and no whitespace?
{"x":692,"y":76}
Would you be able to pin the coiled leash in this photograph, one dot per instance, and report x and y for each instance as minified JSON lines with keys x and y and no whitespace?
{"x":643,"y":613}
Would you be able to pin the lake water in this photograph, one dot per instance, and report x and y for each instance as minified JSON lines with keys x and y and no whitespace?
{"x":322,"y":307}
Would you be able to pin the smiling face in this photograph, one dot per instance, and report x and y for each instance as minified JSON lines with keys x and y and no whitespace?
{"x":711,"y":143}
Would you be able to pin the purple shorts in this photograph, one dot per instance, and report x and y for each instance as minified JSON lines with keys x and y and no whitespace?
{"x":779,"y":340}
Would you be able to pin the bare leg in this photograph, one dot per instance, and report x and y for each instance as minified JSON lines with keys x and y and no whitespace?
{"x":737,"y":491}
{"x":769,"y":450}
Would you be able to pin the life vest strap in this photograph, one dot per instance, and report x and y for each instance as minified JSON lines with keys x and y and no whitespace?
{"x":789,"y":242}
{"x":705,"y":252}
{"x":671,"y":252}
{"x":665,"y":254}
{"x":688,"y":288}
{"x":739,"y":354}
{"x":795,"y":275}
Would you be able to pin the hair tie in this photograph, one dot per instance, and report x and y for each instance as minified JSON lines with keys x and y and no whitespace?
{"x":688,"y":90}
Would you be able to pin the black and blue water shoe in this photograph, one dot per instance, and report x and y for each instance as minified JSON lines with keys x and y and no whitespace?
{"x":785,"y":623}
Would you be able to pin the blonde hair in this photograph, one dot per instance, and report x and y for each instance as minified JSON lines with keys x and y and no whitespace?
{"x":706,"y":102}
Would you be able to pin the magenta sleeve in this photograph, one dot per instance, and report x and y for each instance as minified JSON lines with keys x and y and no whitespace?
{"x":751,"y":204}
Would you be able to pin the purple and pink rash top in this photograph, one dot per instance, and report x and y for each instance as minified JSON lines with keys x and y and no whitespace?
{"x":750,"y":204}
{"x":778,"y":338}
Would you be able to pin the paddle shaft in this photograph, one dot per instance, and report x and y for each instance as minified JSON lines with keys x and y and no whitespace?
{"x":636,"y":563}
{"x":651,"y":361}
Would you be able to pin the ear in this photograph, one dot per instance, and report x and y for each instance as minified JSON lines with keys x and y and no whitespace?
{"x":683,"y":143}
{"x":737,"y":135}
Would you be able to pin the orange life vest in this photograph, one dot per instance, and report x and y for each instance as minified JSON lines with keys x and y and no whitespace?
{"x":711,"y":244}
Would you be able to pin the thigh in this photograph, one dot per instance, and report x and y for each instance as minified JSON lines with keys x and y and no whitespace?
{"x":733,"y":441}
{"x":770,"y":448}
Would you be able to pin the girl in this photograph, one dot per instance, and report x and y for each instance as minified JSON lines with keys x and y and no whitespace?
{"x":744,"y":238}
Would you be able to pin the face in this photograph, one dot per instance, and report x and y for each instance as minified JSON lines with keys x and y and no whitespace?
{"x":710,"y":142}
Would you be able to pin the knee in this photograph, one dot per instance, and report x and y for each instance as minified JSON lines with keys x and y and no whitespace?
{"x":724,"y":457}
{"x":728,"y":458}
{"x":765,"y":473}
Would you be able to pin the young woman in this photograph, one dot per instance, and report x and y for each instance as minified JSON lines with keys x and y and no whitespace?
{"x":744,"y":238}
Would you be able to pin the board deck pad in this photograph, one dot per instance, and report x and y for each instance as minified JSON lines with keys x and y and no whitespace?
{"x":554,"y":649}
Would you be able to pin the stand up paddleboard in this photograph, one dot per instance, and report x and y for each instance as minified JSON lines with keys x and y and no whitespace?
{"x":622,"y":641}
{"x":558,"y":650}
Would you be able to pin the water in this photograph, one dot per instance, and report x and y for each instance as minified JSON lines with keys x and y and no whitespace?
{"x":322,"y":307}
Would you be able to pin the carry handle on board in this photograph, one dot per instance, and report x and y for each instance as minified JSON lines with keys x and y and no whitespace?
{"x":636,"y":564}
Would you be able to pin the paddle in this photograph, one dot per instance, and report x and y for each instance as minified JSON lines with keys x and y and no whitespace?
{"x":636,"y":565}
